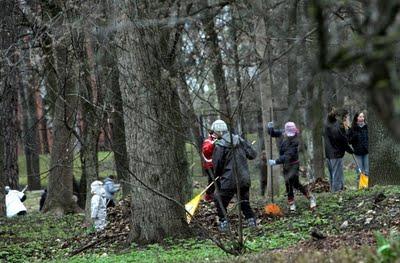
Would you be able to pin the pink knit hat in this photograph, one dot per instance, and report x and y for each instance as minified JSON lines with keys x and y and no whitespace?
{"x":290,"y":129}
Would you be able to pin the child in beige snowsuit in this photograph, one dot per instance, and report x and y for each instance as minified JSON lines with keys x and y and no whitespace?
{"x":98,"y":205}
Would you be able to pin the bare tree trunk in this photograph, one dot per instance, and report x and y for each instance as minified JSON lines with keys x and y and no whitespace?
{"x":30,"y":121}
{"x":264,"y":51}
{"x":61,"y":80}
{"x":266,"y":105}
{"x":384,"y":154}
{"x":293,"y":96}
{"x":2,"y":177}
{"x":153,"y":124}
{"x":189,"y":113}
{"x":92,"y":117}
{"x":238,"y":80}
{"x":88,"y":155}
{"x":315,"y":120}
{"x":44,"y":139}
{"x":217,"y":68}
{"x":118,"y":138}
{"x":111,"y":80}
{"x":11,"y":132}
{"x":190,"y":119}
{"x":5,"y":41}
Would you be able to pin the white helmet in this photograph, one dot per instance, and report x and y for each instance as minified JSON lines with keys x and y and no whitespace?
{"x":219,"y":126}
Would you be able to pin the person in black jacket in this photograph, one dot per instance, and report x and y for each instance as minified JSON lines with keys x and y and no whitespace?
{"x":358,"y":138}
{"x":42,"y":199}
{"x":336,"y":144}
{"x":230,"y":165}
{"x":289,"y":158}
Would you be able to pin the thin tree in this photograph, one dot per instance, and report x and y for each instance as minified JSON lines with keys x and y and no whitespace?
{"x":30,"y":133}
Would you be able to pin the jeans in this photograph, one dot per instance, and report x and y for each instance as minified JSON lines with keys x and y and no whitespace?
{"x":336,"y":179}
{"x":363,"y":162}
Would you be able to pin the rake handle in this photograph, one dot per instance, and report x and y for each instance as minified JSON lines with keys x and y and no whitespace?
{"x":270,"y":151}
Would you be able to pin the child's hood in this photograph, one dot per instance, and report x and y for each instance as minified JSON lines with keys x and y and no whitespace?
{"x":97,"y":188}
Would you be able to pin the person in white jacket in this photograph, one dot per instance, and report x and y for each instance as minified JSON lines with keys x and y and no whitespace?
{"x":98,"y":205}
{"x":14,"y":205}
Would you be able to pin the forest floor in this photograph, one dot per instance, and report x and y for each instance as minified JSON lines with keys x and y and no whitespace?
{"x":354,"y":226}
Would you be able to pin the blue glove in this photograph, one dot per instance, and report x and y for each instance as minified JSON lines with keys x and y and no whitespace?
{"x":270,"y":125}
{"x":271,"y":162}
{"x":358,"y":170}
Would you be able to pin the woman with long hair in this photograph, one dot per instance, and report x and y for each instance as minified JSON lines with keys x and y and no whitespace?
{"x":358,"y":138}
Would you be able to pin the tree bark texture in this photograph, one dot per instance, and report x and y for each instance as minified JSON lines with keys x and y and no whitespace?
{"x":9,"y":58}
{"x":292,"y":64}
{"x":61,"y":80}
{"x":30,"y":133}
{"x":217,"y":66}
{"x":384,"y":152}
{"x":155,"y":144}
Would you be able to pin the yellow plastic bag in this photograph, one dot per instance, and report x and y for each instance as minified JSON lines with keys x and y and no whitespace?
{"x":192,"y":206}
{"x":363,"y":182}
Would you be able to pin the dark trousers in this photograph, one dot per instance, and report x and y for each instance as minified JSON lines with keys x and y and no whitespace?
{"x":291,"y":174}
{"x":224,"y":196}
{"x":110,"y":203}
{"x":210,"y":176}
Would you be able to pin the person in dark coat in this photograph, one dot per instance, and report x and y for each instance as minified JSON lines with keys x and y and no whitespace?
{"x":42,"y":199}
{"x":230,"y":165}
{"x":336,"y":144}
{"x":358,"y":138}
{"x":289,"y":158}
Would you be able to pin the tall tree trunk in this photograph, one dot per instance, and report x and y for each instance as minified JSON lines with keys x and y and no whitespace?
{"x":9,"y":91}
{"x":189,"y":113}
{"x":217,"y":67}
{"x":264,"y":51}
{"x":30,"y":121}
{"x":315,"y":120}
{"x":109,"y":62}
{"x":61,"y":80}
{"x":384,"y":154}
{"x":88,"y":154}
{"x":292,"y":63}
{"x":44,"y":138}
{"x":2,"y":177}
{"x":238,"y":80}
{"x":11,"y":131}
{"x":153,"y":124}
{"x":92,"y":116}
{"x":266,"y":105}
{"x":118,"y":138}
